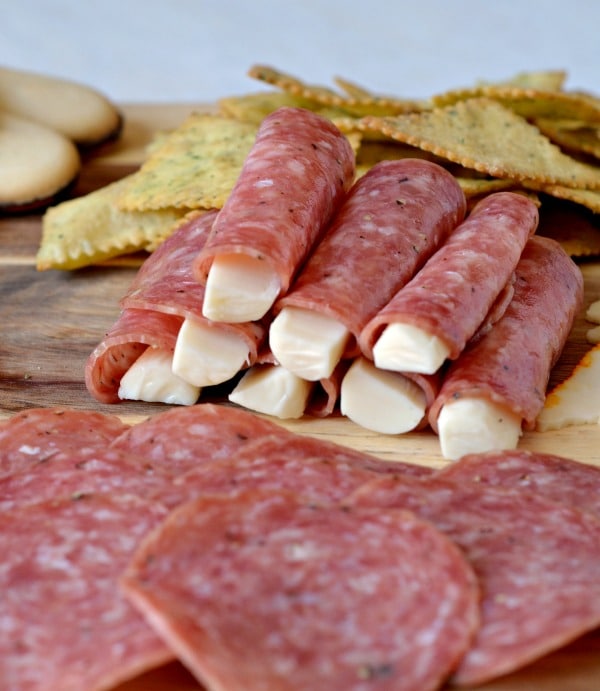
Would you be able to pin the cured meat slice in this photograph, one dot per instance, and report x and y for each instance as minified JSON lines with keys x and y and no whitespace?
{"x":392,"y":221}
{"x":318,"y":470}
{"x":182,"y":438}
{"x":537,"y":562}
{"x":509,"y":367}
{"x":448,"y":300}
{"x":66,"y":625}
{"x":291,"y":184}
{"x":71,"y":474}
{"x":263,"y":591}
{"x":161,"y":297}
{"x":561,"y":479}
{"x":34,"y":435}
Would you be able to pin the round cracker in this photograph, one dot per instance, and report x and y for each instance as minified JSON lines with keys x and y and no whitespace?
{"x":37,"y":164}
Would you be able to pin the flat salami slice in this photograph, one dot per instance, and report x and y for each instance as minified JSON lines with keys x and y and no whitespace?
{"x":451,"y":296}
{"x":510,"y":365}
{"x":292,"y":183}
{"x":320,"y":471}
{"x":264,"y":592}
{"x":66,"y":626}
{"x":561,"y":479}
{"x":72,"y":474}
{"x":34,"y":435}
{"x":162,"y":294}
{"x":537,"y":561}
{"x":181,"y":438}
{"x":393,"y":219}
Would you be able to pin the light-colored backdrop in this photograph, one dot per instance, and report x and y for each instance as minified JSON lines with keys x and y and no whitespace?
{"x":199,"y":50}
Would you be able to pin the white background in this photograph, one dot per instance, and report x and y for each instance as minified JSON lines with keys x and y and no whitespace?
{"x":200,"y":50}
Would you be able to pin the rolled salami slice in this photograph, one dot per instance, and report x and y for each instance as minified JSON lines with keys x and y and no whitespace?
{"x":393,"y":219}
{"x":536,"y":559}
{"x":66,"y":625}
{"x":264,"y":591}
{"x":498,"y":383}
{"x":162,"y":303}
{"x":32,"y":436}
{"x":291,"y":184}
{"x":561,"y":479}
{"x":443,"y":306}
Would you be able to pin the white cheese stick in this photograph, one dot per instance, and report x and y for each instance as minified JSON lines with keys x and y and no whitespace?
{"x":379,"y":400}
{"x":239,"y":288}
{"x":151,"y":379}
{"x":205,"y":356}
{"x":475,"y":425}
{"x":273,"y":390}
{"x":592,"y":313}
{"x":407,"y":348}
{"x":307,"y":343}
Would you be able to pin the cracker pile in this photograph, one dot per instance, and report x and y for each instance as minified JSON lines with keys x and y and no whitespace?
{"x":528,"y":133}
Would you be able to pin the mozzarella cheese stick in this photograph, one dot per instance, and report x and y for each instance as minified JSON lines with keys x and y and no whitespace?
{"x":151,"y":379}
{"x":307,"y":343}
{"x":475,"y":425}
{"x":273,"y":390}
{"x":379,"y":400}
{"x":408,"y":348}
{"x":205,"y":356}
{"x":239,"y":288}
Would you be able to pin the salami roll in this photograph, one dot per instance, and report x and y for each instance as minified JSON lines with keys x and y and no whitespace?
{"x":455,"y":290}
{"x":536,"y":560}
{"x":393,"y":219}
{"x":264,"y":591}
{"x":66,"y":625}
{"x":162,"y":295}
{"x":290,"y":186}
{"x":509,"y":367}
{"x":35,"y":435}
{"x":563,"y":480}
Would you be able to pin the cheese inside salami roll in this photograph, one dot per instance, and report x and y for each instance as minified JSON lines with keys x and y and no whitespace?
{"x":503,"y":375}
{"x":393,"y":219}
{"x":442,"y":307}
{"x":290,"y":186}
{"x":161,"y":348}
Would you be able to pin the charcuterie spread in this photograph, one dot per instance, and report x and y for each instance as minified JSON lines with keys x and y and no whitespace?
{"x":350,"y":321}
{"x":335,"y":568}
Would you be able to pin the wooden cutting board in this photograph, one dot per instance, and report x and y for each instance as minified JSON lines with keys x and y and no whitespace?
{"x":52,"y":320}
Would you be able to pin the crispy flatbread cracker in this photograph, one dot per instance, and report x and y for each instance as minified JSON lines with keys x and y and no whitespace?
{"x":352,"y":104}
{"x":484,"y":135}
{"x":542,"y":80}
{"x":256,"y":106}
{"x":91,"y":229}
{"x":479,"y":187}
{"x":577,"y":230}
{"x":195,"y":167}
{"x":575,"y":136}
{"x":590,"y":199}
{"x":529,"y":103}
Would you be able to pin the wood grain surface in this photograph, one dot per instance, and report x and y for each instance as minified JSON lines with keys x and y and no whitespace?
{"x":52,"y":320}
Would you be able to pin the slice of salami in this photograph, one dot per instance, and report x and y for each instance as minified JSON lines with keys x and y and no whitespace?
{"x":66,"y":626}
{"x":537,"y":561}
{"x":291,"y":184}
{"x":393,"y":219}
{"x":561,"y":479}
{"x":162,"y":294}
{"x":181,"y":438}
{"x":318,"y":470}
{"x":35,"y":435}
{"x":510,"y":365}
{"x":72,"y":474}
{"x":263,"y":591}
{"x":455,"y":290}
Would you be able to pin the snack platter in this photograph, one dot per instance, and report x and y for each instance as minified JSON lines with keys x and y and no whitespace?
{"x":52,"y":320}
